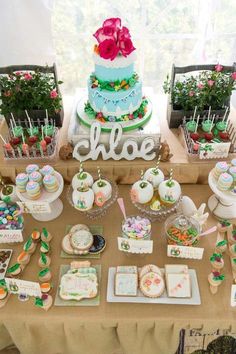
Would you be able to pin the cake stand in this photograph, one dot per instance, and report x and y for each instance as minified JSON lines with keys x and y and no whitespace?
{"x":55,"y":203}
{"x":107,"y":126}
{"x":222,"y":204}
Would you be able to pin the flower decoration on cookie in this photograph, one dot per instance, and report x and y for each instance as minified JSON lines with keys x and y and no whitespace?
{"x":113,"y":39}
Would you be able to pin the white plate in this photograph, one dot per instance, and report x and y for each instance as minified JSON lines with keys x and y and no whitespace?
{"x":140,"y":298}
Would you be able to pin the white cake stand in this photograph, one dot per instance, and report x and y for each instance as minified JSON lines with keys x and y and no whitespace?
{"x":55,"y":203}
{"x":221,"y":204}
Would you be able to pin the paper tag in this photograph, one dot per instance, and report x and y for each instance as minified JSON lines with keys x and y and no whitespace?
{"x":10,"y":236}
{"x":214,"y":150}
{"x":184,"y":252}
{"x":18,"y":286}
{"x":135,"y":246}
{"x":35,"y":207}
{"x":233,"y":295}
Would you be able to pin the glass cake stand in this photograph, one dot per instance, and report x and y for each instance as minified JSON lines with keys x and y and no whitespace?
{"x":157,"y":215}
{"x":96,"y":212}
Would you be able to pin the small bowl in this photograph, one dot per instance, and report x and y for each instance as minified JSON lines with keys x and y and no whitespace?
{"x":182,"y":230}
{"x":125,"y":234}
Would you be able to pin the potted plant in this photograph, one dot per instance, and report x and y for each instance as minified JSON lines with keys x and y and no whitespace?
{"x":211,"y":87}
{"x":32,"y":88}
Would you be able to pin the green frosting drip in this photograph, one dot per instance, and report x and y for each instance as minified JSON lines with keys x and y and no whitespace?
{"x":114,"y":85}
{"x":43,"y":272}
{"x":13,"y":268}
{"x":139,"y":113}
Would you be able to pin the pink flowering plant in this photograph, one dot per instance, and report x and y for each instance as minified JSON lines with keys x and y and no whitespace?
{"x":29,"y":90}
{"x":208,"y":88}
{"x":113,"y":39}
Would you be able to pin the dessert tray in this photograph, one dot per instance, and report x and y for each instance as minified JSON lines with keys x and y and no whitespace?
{"x":163,"y":299}
{"x":96,"y":212}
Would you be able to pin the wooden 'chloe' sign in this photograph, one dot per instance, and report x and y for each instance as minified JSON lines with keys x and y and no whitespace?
{"x":130,"y":149}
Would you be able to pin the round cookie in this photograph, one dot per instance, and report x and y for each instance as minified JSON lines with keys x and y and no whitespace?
{"x":149,"y":268}
{"x":99,"y":244}
{"x":66,"y":245}
{"x":81,"y":240}
{"x":152,"y":285}
{"x":79,"y":227}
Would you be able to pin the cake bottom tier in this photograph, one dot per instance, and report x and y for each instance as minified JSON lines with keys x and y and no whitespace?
{"x":115,"y":103}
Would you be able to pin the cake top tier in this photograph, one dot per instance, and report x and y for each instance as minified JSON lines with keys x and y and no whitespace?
{"x":114,"y":40}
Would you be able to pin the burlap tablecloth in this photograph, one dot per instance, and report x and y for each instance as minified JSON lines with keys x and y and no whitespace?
{"x":114,"y":327}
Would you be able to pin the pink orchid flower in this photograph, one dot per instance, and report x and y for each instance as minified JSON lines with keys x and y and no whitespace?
{"x":210,"y":83}
{"x":218,"y":68}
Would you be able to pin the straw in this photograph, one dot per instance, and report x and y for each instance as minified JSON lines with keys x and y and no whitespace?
{"x":142,"y":175}
{"x":212,"y":122}
{"x":226,"y":111}
{"x":209,"y":113}
{"x":226,"y":126}
{"x":99,"y":174}
{"x":42,"y":132}
{"x":194,"y":114}
{"x":31,"y":128}
{"x":12,"y":128}
{"x":120,"y":201}
{"x":158,"y":163}
{"x":13,"y":119}
{"x":23,"y":138}
{"x":198,"y":117}
{"x":3,"y":139}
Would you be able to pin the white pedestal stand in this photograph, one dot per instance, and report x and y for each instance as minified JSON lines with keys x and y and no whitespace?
{"x":221,"y":204}
{"x":55,"y":203}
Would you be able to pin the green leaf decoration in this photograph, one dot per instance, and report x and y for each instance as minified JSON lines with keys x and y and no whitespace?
{"x":45,"y":245}
{"x":28,"y":244}
{"x":222,"y":243}
{"x":43,"y":258}
{"x":45,"y":232}
{"x":117,"y":85}
{"x":13,"y":268}
{"x":43,"y":272}
{"x":38,"y":302}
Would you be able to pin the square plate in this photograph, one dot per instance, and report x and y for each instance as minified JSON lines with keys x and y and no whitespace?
{"x":163,"y":299}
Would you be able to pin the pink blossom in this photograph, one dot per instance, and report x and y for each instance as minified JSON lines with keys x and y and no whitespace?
{"x":191,"y":93}
{"x":114,"y":22}
{"x":218,"y":68}
{"x":7,"y":93}
{"x":126,"y":46}
{"x":200,"y":85}
{"x":53,"y":94}
{"x":108,"y":30}
{"x":108,"y":49}
{"x":27,"y":76}
{"x":233,"y":75}
{"x":18,"y":73}
{"x":131,"y":116}
{"x":123,"y":32}
{"x":210,"y":83}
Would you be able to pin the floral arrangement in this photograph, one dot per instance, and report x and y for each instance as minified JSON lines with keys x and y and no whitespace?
{"x":114,"y":85}
{"x":139,"y":113}
{"x":216,"y":257}
{"x":208,"y":88}
{"x":29,"y":91}
{"x":113,"y":39}
{"x":218,"y":276}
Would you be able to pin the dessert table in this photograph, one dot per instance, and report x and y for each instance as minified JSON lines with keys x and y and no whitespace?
{"x":115,"y":328}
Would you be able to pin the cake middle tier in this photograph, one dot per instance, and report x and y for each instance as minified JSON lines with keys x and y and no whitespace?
{"x":115,"y":103}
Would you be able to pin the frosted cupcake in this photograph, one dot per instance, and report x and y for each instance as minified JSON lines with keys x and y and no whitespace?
{"x":225,"y":181}
{"x":221,"y":246}
{"x":233,"y":162}
{"x":47,"y":170}
{"x":31,"y":168}
{"x":50,"y":183}
{"x":232,"y":171}
{"x":33,"y":190}
{"x":36,"y":177}
{"x":217,"y":261}
{"x":220,"y":167}
{"x":21,"y":182}
{"x":232,"y":250}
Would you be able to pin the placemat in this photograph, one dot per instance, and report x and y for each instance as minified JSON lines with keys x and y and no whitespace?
{"x":85,"y":302}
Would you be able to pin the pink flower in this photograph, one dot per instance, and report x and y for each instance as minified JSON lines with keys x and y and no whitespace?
{"x":126,"y":46}
{"x":191,"y":93}
{"x":210,"y":83}
{"x":200,"y":85}
{"x":7,"y":93}
{"x":113,"y":22}
{"x":108,"y":30}
{"x":131,"y":116}
{"x":233,"y":75}
{"x":123,"y":32}
{"x":108,"y":49}
{"x":27,"y":76}
{"x":53,"y":94}
{"x":18,"y":73}
{"x":218,"y":68}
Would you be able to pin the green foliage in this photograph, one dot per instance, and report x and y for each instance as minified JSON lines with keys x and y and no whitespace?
{"x":208,"y":88}
{"x":31,"y":91}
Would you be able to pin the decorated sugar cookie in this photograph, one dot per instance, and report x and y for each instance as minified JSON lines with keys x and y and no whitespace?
{"x":152,"y":284}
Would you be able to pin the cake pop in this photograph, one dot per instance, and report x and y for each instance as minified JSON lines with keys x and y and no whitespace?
{"x":14,"y":140}
{"x":209,"y":135}
{"x":142,"y":191}
{"x":24,"y":146}
{"x":48,"y":128}
{"x":224,"y":135}
{"x":154,"y":175}
{"x":6,"y":145}
{"x":195,"y":136}
{"x":191,"y":125}
{"x":207,"y":124}
{"x":222,"y":125}
{"x":32,"y":131}
{"x":43,"y":143}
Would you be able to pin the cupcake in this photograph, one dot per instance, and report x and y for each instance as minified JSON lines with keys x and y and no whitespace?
{"x":21,"y":182}
{"x":45,"y":235}
{"x":217,"y":261}
{"x":36,"y":177}
{"x":221,"y":246}
{"x":50,"y":183}
{"x":33,"y":190}
{"x":31,"y":168}
{"x":15,"y":270}
{"x":44,"y":261}
{"x":47,"y":170}
{"x":45,"y":248}
{"x":232,"y":250}
{"x":35,"y":235}
{"x":45,"y":275}
{"x":29,"y":246}
{"x":219,"y":168}
{"x":23,"y":258}
{"x":232,"y":172}
{"x":224,"y":182}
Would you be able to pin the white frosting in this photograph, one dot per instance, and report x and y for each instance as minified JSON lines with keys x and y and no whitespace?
{"x":119,"y":112}
{"x":118,"y":62}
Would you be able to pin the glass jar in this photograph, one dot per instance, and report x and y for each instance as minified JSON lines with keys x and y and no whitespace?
{"x":182,"y":230}
{"x":136,"y":227}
